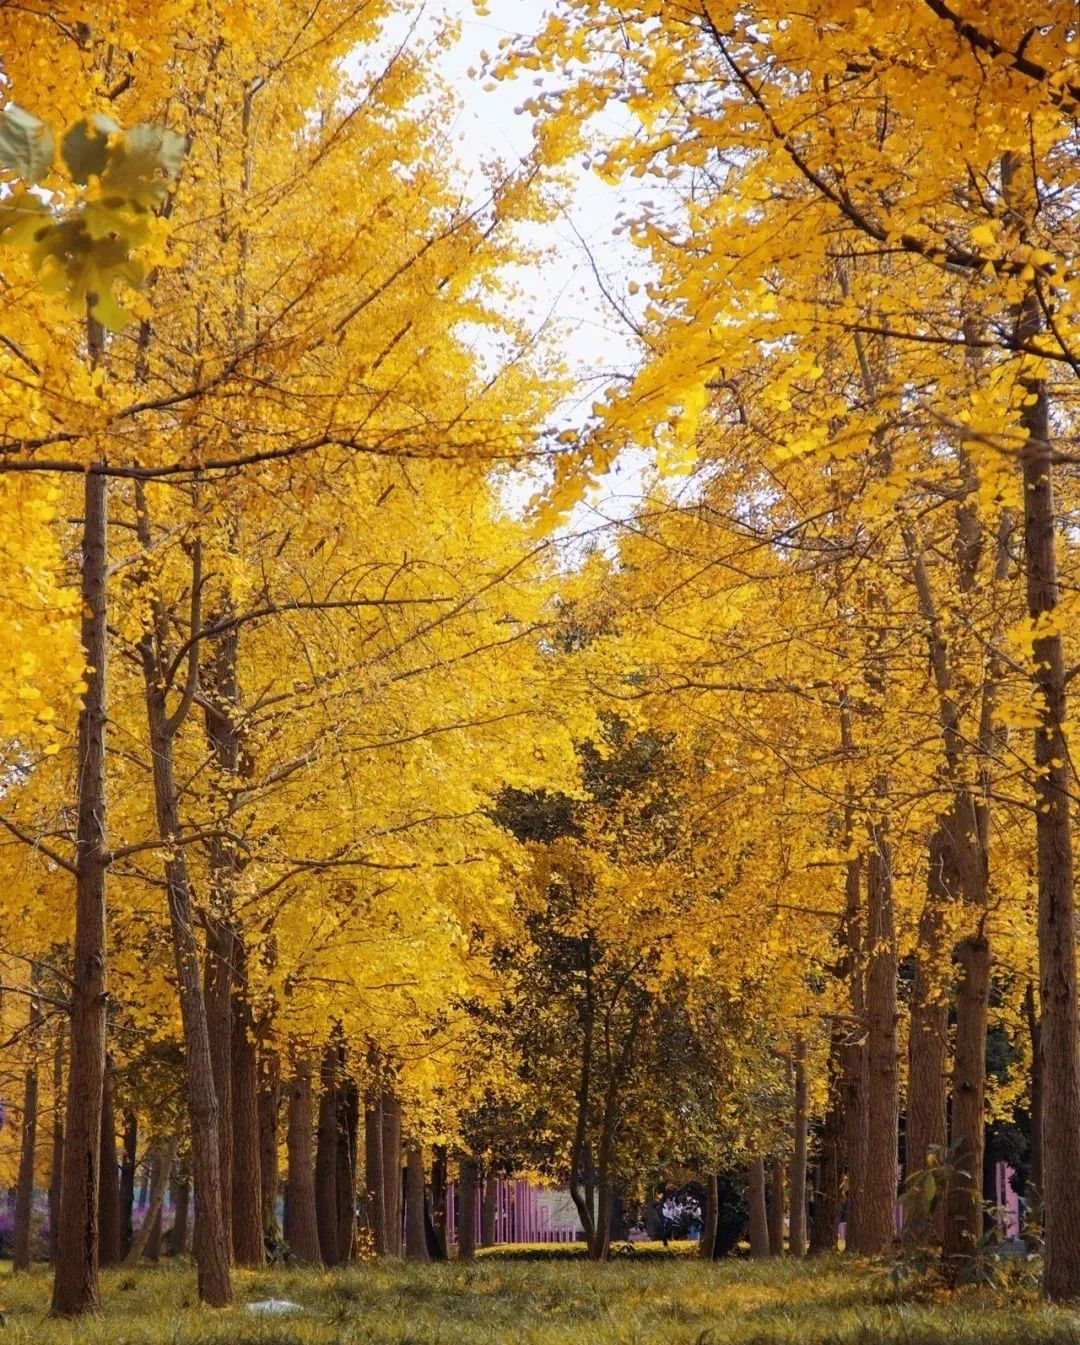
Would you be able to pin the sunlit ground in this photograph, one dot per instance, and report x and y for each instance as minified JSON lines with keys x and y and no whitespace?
{"x":635,"y":1300}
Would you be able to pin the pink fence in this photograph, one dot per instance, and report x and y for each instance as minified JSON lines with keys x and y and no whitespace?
{"x":523,"y":1213}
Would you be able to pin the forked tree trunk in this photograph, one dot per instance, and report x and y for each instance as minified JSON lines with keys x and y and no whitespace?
{"x":75,"y":1284}
{"x":213,"y":1249}
{"x":391,"y":1159}
{"x":374,"y":1178}
{"x":468,"y":1182}
{"x":109,"y":1219}
{"x":760,"y":1241}
{"x":415,"y":1232}
{"x":776,"y":1207}
{"x":708,"y":1227}
{"x":24,"y":1189}
{"x":797,"y":1228}
{"x":326,"y":1202}
{"x":301,"y":1225}
{"x":160,"y":1166}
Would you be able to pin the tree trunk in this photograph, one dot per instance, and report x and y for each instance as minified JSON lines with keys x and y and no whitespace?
{"x":326,"y":1202}
{"x":75,"y":1284}
{"x":152,"y":1251}
{"x":247,"y":1223}
{"x":760,"y":1234}
{"x":1035,"y":1168}
{"x":391,"y":1112}
{"x":709,"y":1223}
{"x":218,"y":998}
{"x":348,"y":1125}
{"x":825,"y":1217}
{"x":438,"y":1199}
{"x":181,"y":1206}
{"x":776,"y":1207}
{"x":928,"y":1042}
{"x":468,"y":1181}
{"x":269,"y":1110}
{"x":797,"y":1228}
{"x":301,"y":1224}
{"x":877,"y":1220}
{"x":110,"y":1233}
{"x":374,"y":1178}
{"x":855,"y":1081}
{"x":24,"y":1189}
{"x":160,"y":1166}
{"x":415,"y":1235}
{"x":127,"y":1180}
{"x":964,"y":1214}
{"x":489,"y":1211}
{"x":57,"y":1139}
{"x":1056,"y":926}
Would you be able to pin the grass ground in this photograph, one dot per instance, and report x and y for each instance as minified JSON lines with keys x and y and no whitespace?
{"x":511,"y":1301}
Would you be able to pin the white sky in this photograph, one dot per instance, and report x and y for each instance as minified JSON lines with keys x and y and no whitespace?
{"x":564,"y":285}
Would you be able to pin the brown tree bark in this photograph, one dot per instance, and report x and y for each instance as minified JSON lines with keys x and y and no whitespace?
{"x":964,"y":1213}
{"x":213,"y":1249}
{"x":877,"y":1220}
{"x":127,"y":1180}
{"x":438,"y":1198}
{"x":247,"y":1221}
{"x":776,"y":1207}
{"x":301,"y":1223}
{"x":218,"y":997}
{"x":489,"y":1210}
{"x":415,"y":1234}
{"x":348,"y":1128}
{"x":181,"y":1189}
{"x":326,"y":1202}
{"x":825,"y":1216}
{"x":391,"y":1158}
{"x":24,"y":1187}
{"x":1035,"y":1168}
{"x":468,"y":1182}
{"x":374,"y":1177}
{"x":269,"y":1111}
{"x":109,"y":1225}
{"x":928,"y":1043}
{"x":55,"y":1176}
{"x":148,"y":1238}
{"x":797,"y":1225}
{"x":760,"y":1238}
{"x":708,"y":1227}
{"x":1057,"y":917}
{"x":75,"y":1284}
{"x":855,"y":1080}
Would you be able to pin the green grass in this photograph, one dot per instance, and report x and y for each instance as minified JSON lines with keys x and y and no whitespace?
{"x":511,"y":1301}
